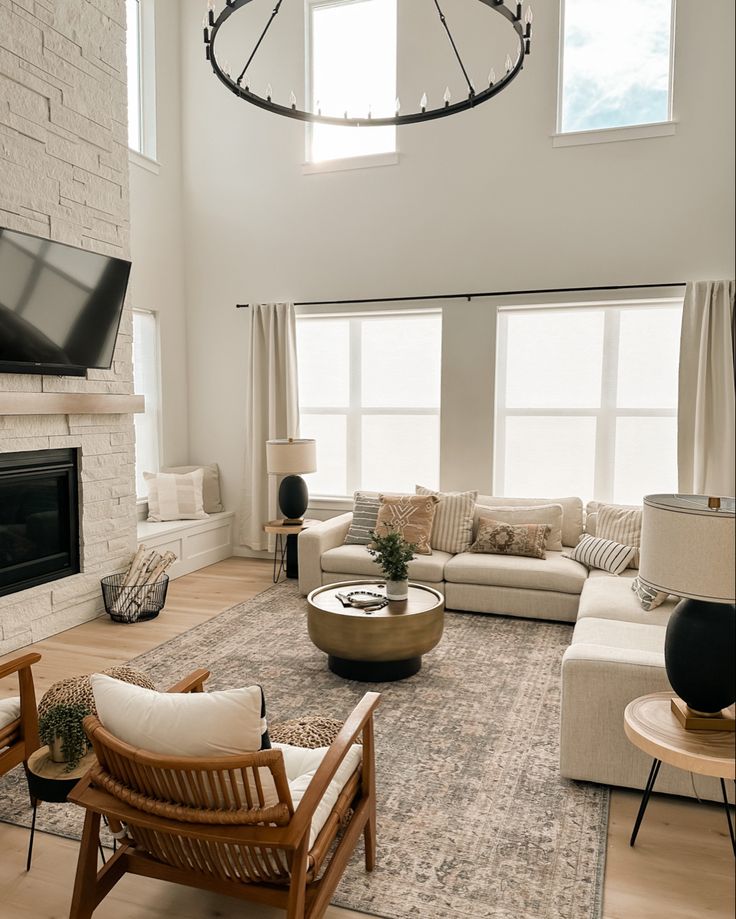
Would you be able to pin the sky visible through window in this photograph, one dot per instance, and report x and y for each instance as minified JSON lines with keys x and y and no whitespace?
{"x":616,"y":63}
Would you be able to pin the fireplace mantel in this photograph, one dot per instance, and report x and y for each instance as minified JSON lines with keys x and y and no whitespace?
{"x":68,"y":403}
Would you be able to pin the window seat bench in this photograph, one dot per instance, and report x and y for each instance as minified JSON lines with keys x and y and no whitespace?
{"x":196,"y":543}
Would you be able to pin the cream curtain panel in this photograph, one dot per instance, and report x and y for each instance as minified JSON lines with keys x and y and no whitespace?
{"x":706,"y":426}
{"x":272,"y":411}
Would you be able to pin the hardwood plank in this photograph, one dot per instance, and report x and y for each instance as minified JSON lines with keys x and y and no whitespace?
{"x":681,"y":866}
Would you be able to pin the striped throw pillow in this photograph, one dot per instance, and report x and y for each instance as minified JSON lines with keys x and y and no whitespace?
{"x":620,"y":524}
{"x":649,"y":597}
{"x":452,"y":529}
{"x":605,"y":554}
{"x":365,"y":515}
{"x":175,"y":497}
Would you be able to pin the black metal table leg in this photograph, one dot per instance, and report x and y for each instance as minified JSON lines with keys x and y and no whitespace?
{"x":33,"y":833}
{"x":728,"y":816}
{"x":279,"y":557}
{"x":653,"y":773}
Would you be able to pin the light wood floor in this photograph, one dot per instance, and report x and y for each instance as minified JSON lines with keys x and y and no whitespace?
{"x":681,"y":867}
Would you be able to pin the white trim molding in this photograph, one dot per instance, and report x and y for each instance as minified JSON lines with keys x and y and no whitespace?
{"x":612,"y":135}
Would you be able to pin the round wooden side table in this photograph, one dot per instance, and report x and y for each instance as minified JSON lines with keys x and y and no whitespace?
{"x":285,"y":555}
{"x":49,"y":782}
{"x":379,"y":646}
{"x":650,"y":725}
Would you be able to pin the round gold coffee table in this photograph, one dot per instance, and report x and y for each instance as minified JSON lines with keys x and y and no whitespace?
{"x":380,"y":646}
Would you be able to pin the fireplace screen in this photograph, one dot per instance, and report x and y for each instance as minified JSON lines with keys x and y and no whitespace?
{"x":39,"y":518}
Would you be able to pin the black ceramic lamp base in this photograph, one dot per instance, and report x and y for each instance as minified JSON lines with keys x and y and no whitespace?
{"x":699,"y":654}
{"x":293,"y":498}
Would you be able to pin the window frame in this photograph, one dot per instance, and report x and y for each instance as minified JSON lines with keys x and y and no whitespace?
{"x":158,"y":406}
{"x":358,"y":160}
{"x":637,"y":131}
{"x":146,"y":82}
{"x":354,"y":411}
{"x":605,"y":415}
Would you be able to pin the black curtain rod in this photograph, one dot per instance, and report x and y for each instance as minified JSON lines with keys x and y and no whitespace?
{"x":469,"y":297}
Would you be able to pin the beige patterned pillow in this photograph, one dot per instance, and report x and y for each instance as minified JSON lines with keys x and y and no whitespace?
{"x":452,"y":530}
{"x":536,"y":513}
{"x":410,"y":515}
{"x":495,"y":538}
{"x":620,"y":524}
{"x":175,"y":497}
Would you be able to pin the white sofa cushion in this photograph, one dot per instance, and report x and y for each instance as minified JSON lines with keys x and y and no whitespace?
{"x":301,"y":765}
{"x":644,"y":638}
{"x":356,"y":560}
{"x":611,"y":597}
{"x":9,"y":710}
{"x":572,"y":512}
{"x":552,"y":573}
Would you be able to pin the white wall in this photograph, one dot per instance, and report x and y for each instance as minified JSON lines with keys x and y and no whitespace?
{"x":157,"y":278}
{"x":479,"y":201}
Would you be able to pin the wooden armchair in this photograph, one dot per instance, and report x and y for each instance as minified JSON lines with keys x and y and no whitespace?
{"x":19,"y":737}
{"x":207,"y":823}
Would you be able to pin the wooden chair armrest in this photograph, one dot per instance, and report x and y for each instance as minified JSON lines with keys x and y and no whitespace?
{"x":192,"y":683}
{"x":18,"y":663}
{"x":28,"y":711}
{"x":361,"y":716}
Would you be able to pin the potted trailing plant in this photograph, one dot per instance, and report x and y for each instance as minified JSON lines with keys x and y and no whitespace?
{"x":61,"y":728}
{"x":393,"y":553}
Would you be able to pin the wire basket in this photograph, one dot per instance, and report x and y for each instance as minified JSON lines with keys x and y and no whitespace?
{"x":133,"y":604}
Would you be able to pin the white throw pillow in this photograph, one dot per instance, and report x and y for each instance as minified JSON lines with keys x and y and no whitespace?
{"x":9,"y":710}
{"x":551,"y":514}
{"x":209,"y":724}
{"x":175,"y":497}
{"x":211,"y":497}
{"x":621,"y":524}
{"x":452,"y":527}
{"x":604,"y":554}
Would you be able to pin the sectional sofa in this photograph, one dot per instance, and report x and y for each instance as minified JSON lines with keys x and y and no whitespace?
{"x":616,"y":651}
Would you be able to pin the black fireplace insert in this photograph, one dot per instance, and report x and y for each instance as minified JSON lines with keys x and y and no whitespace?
{"x":39,"y":518}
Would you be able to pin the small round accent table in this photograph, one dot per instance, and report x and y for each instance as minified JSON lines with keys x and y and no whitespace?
{"x":50,"y":782}
{"x":285,"y":557}
{"x":379,"y":646}
{"x":650,"y":725}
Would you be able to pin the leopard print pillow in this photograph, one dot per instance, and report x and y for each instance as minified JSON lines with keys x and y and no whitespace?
{"x":496,"y":538}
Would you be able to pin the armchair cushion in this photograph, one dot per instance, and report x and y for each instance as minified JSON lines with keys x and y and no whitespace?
{"x":9,"y":710}
{"x":230,"y":721}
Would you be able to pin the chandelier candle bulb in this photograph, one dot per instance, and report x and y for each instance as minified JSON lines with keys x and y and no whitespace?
{"x":423,"y":102}
{"x":447,"y":96}
{"x":269,"y":92}
{"x":509,"y":64}
{"x":292,"y":99}
{"x":491,"y":76}
{"x":528,"y":19}
{"x":397,"y":105}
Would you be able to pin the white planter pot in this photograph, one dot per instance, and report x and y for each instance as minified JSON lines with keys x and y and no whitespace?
{"x":397,"y":590}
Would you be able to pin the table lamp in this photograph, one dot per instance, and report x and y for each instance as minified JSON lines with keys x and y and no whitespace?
{"x":292,"y":458}
{"x":687,"y":549}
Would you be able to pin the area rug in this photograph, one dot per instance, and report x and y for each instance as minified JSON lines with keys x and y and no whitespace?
{"x":474,"y":821}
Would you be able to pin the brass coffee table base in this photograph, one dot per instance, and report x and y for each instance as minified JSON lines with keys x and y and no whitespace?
{"x":374,"y":671}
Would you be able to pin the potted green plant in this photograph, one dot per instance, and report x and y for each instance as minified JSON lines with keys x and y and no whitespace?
{"x":61,"y":728}
{"x":393,"y":553}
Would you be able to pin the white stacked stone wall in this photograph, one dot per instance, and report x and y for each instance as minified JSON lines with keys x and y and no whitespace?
{"x":64,"y":175}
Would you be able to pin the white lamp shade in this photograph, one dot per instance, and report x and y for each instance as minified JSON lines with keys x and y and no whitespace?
{"x":687,"y":548}
{"x":291,"y":457}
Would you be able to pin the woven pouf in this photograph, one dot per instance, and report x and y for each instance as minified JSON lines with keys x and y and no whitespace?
{"x":310,"y":732}
{"x":78,"y":689}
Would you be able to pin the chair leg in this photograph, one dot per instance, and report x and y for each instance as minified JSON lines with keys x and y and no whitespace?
{"x":84,"y":899}
{"x":298,"y":887}
{"x":369,"y":838}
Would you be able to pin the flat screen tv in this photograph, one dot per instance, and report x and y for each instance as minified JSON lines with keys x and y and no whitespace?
{"x":60,"y":306}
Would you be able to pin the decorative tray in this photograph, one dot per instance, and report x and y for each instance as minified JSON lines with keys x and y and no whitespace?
{"x":367,"y":600}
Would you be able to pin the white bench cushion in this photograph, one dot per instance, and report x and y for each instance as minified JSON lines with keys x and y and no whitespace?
{"x":551,"y":573}
{"x":356,"y":560}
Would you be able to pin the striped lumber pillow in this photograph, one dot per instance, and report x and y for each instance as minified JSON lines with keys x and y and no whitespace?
{"x":365,"y":515}
{"x":605,"y":554}
{"x":452,"y":529}
{"x":622,"y":525}
{"x":175,"y":497}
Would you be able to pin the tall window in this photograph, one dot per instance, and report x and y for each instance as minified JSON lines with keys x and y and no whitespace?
{"x":587,"y":401}
{"x":140,"y":47}
{"x":369,"y":388}
{"x":147,"y":384}
{"x":352,"y":68}
{"x":616,"y":63}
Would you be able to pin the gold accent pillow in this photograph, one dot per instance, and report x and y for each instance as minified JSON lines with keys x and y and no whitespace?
{"x":411,"y":516}
{"x":496,"y":538}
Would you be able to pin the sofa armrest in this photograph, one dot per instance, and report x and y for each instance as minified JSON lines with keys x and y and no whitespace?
{"x":315,"y":540}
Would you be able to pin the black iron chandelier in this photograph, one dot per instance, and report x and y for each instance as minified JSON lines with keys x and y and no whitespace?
{"x":520,"y":22}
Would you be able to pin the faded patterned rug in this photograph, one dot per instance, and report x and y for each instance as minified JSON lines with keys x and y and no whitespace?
{"x":474,"y":821}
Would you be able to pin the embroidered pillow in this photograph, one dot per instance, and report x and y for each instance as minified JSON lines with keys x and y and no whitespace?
{"x":175,"y":497}
{"x":410,"y":515}
{"x":496,"y":538}
{"x":365,"y":517}
{"x":646,"y":595}
{"x":605,"y":554}
{"x":551,"y":514}
{"x":452,"y":530}
{"x":622,"y":525}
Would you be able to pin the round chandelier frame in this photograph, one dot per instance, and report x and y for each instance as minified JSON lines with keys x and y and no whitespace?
{"x":520,"y":23}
